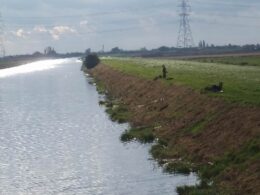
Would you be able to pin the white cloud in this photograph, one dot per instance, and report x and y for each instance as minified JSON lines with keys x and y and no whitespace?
{"x":40,"y":29}
{"x":83,"y":23}
{"x":154,"y":23}
{"x":86,"y":27}
{"x":57,"y":31}
{"x":21,"y":33}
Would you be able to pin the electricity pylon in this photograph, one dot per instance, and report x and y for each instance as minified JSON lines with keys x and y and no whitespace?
{"x":2,"y":47}
{"x":185,"y":39}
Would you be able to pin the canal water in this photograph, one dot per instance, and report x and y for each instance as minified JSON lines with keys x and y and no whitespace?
{"x":56,"y":139}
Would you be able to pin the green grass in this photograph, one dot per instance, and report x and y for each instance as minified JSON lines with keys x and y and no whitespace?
{"x":241,"y":83}
{"x":143,"y":135}
{"x":178,"y":168}
{"x":248,"y":153}
{"x":235,"y":60}
{"x":117,"y":112}
{"x":238,"y":160}
{"x":202,"y":189}
{"x":197,"y":127}
{"x":200,"y":125}
{"x":174,"y":164}
{"x":100,"y":87}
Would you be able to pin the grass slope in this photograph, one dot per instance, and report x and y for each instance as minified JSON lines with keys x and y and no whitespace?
{"x":241,"y":83}
{"x":191,"y":132}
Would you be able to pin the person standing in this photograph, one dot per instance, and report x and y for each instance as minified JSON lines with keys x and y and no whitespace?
{"x":164,"y":71}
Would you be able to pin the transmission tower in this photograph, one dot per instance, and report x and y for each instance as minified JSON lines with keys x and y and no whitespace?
{"x":185,"y":38}
{"x":2,"y":47}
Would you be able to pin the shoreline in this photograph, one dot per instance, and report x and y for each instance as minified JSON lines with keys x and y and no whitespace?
{"x":194,"y":132}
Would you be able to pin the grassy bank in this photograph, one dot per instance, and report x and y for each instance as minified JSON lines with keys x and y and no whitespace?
{"x":191,"y":131}
{"x":241,"y":83}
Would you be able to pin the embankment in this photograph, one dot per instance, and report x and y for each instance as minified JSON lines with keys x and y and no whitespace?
{"x":221,"y":138}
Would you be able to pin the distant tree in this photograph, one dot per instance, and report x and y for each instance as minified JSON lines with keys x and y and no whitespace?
{"x":91,"y":61}
{"x":116,"y":50}
{"x":88,"y":51}
{"x":200,"y":44}
{"x":203,"y":44}
{"x":49,"y":51}
{"x":37,"y":54}
{"x":143,"y":49}
{"x":163,"y":48}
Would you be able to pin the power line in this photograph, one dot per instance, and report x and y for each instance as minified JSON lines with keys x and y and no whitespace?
{"x":185,"y":38}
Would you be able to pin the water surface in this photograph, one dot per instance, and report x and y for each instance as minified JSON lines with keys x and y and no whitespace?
{"x":56,"y":139}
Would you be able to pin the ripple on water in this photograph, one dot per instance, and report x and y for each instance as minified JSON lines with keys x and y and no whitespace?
{"x":55,"y":139}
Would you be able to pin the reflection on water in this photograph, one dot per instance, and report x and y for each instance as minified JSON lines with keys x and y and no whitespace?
{"x":31,"y":67}
{"x":55,"y":139}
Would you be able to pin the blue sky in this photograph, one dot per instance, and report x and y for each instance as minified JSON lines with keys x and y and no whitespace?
{"x":75,"y":25}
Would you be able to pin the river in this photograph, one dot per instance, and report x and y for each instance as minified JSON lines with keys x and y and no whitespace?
{"x":56,"y":139}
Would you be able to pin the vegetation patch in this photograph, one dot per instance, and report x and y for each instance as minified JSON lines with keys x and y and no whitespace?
{"x":201,"y":124}
{"x":249,"y":152}
{"x":90,"y":61}
{"x":179,"y":167}
{"x":100,"y":87}
{"x":143,"y":135}
{"x":162,"y":151}
{"x":169,"y":159}
{"x":201,"y":189}
{"x":197,"y":127}
{"x":231,"y":60}
{"x":117,"y":111}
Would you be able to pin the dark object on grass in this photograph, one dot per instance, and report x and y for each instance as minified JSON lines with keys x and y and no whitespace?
{"x":158,"y":77}
{"x":91,"y":61}
{"x":164,"y":71}
{"x":215,"y":88}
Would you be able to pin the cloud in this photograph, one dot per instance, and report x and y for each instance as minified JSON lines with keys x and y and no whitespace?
{"x":21,"y":33}
{"x":83,"y":23}
{"x":86,"y":27}
{"x":40,"y":29}
{"x":35,"y":24}
{"x":57,"y":31}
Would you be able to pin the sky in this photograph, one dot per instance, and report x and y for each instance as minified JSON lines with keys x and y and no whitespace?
{"x":75,"y":25}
